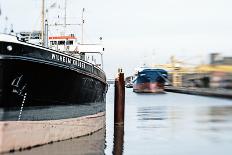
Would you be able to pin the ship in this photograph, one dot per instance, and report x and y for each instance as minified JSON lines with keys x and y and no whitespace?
{"x":129,"y":82}
{"x":48,"y":92}
{"x":150,"y":80}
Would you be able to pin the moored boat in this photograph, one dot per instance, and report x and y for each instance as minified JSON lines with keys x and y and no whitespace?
{"x":150,"y":80}
{"x":48,"y":94}
{"x":129,"y":82}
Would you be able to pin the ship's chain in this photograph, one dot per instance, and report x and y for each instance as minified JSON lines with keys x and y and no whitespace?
{"x":21,"y":109}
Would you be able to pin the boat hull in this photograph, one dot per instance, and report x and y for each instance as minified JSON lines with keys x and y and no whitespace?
{"x":42,"y":87}
{"x":149,"y":87}
{"x":47,"y":96}
{"x":17,"y":135}
{"x":34,"y":77}
{"x":150,"y":80}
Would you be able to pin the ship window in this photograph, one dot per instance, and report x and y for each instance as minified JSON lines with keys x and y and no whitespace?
{"x":69,"y":42}
{"x":61,"y":42}
{"x":53,"y":42}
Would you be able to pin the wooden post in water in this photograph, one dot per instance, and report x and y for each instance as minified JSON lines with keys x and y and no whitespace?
{"x":119,"y":99}
{"x":119,"y":109}
{"x":118,"y":146}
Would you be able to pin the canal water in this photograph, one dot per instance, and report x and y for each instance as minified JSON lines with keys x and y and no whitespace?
{"x":163,"y":124}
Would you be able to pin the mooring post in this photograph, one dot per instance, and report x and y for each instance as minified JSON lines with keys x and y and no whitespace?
{"x":119,"y":99}
{"x":119,"y":110}
{"x":118,"y":140}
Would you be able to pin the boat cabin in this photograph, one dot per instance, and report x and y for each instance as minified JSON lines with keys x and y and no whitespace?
{"x":63,"y":43}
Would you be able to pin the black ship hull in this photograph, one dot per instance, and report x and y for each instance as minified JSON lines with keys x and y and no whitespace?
{"x":32,"y":77}
{"x":46,"y":96}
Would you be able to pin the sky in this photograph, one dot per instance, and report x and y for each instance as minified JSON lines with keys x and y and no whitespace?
{"x":135,"y":32}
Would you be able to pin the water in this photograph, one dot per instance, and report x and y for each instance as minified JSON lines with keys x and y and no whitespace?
{"x":173,"y":124}
{"x":164,"y":124}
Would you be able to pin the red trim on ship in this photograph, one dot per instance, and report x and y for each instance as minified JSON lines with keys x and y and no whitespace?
{"x":62,"y":37}
{"x":149,"y":87}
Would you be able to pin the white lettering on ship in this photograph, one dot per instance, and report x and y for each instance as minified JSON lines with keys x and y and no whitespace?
{"x":68,"y":60}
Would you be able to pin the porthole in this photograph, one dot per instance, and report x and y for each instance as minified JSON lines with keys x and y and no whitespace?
{"x":9,"y":48}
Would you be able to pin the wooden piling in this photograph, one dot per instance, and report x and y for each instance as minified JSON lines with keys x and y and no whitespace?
{"x":118,"y":146}
{"x":119,"y":99}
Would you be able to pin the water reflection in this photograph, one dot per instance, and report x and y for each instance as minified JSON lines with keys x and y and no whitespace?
{"x":215,"y":123}
{"x":169,"y":124}
{"x":216,"y":114}
{"x":152,"y":113}
{"x":88,"y":145}
{"x":176,"y":124}
{"x":151,"y":116}
{"x":118,"y":140}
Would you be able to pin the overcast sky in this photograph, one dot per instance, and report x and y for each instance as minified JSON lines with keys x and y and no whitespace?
{"x":138,"y":31}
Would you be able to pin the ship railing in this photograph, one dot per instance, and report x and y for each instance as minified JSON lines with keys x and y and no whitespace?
{"x":93,"y":68}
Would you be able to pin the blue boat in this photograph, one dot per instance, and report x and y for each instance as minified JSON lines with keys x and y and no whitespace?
{"x":150,"y":80}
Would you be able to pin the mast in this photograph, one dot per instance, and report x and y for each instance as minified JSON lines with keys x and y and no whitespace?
{"x":42,"y":23}
{"x":82,"y":26}
{"x":65,"y":8}
{"x":0,"y":10}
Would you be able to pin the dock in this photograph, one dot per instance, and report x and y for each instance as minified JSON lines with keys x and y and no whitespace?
{"x":219,"y":92}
